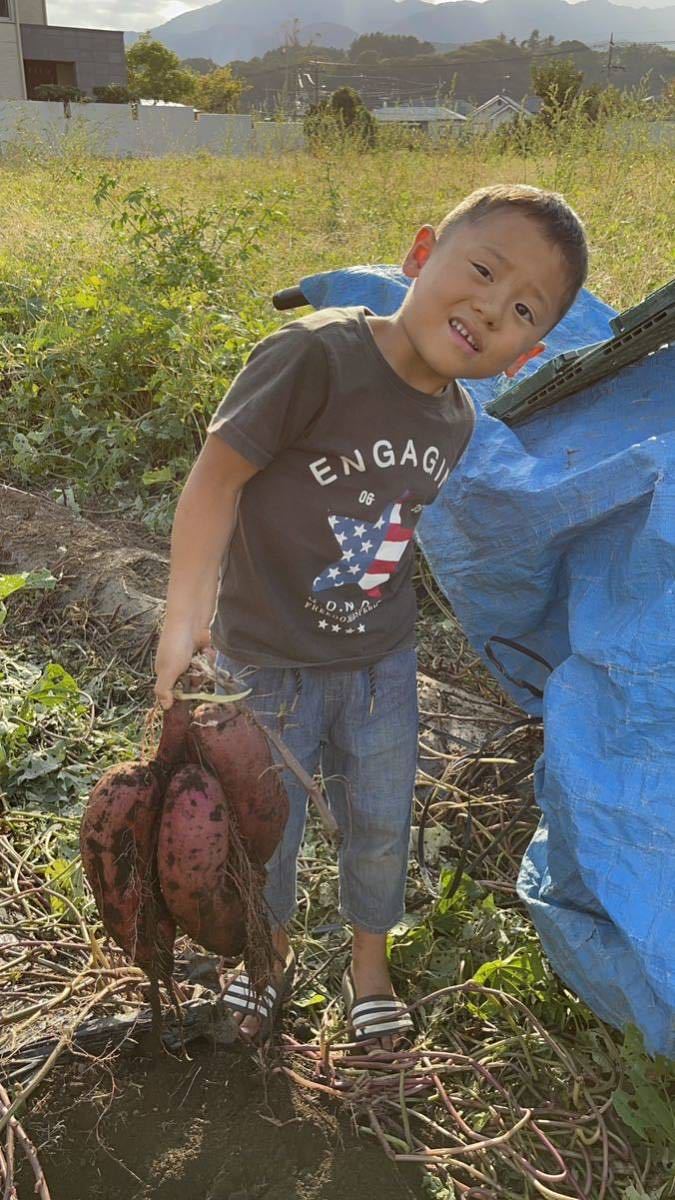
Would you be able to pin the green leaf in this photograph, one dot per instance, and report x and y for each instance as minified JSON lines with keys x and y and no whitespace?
{"x":54,"y":687}
{"x":622,"y":1106}
{"x":11,"y":583}
{"x":311,"y":1001}
{"x":31,"y":579}
{"x":161,"y":475}
{"x":408,"y":921}
{"x":85,"y":300}
{"x":58,"y":871}
{"x":40,"y":764}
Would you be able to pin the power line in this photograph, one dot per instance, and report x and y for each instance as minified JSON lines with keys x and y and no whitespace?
{"x":402,"y":84}
{"x":438,"y":64}
{"x":470,"y":60}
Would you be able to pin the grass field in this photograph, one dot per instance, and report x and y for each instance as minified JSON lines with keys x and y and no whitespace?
{"x":130,"y":294}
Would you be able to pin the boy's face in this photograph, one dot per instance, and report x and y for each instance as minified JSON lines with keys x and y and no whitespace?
{"x":483,"y":296}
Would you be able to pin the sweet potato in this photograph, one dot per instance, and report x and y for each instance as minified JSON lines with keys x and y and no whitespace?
{"x":118,"y":839}
{"x":192,"y":860}
{"x":230,"y":743}
{"x":173,"y":743}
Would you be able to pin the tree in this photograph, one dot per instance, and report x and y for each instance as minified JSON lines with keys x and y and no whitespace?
{"x":220,"y":91}
{"x":113,"y":93}
{"x":389,"y":46}
{"x":155,"y":72}
{"x":593,"y":101}
{"x":344,"y":115}
{"x":352,"y":115}
{"x":199,"y":66}
{"x":557,"y":84}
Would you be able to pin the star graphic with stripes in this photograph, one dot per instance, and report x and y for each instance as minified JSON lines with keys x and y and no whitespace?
{"x":371,"y":552}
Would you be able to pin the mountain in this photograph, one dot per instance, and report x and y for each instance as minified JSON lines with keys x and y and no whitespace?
{"x":240,"y":29}
{"x":589,"y":21}
{"x":325,"y":33}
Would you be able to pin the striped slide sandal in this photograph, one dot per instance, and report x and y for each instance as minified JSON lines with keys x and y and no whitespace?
{"x":240,"y":998}
{"x":375,"y":1017}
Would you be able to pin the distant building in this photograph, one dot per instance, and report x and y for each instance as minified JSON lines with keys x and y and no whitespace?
{"x":463,"y":107}
{"x":34,"y":53}
{"x":429,"y":118}
{"x":499,"y":110}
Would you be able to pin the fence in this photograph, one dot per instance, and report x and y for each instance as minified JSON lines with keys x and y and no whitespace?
{"x":120,"y":131}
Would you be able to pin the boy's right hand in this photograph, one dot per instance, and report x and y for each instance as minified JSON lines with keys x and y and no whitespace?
{"x":174,"y":654}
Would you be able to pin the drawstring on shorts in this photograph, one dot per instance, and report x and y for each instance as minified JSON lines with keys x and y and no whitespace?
{"x":297,"y":675}
{"x":372,"y":686}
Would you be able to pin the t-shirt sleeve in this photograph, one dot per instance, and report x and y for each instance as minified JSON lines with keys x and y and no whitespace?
{"x":276,"y":396}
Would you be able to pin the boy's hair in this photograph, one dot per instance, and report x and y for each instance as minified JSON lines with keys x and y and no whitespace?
{"x":557,"y":221}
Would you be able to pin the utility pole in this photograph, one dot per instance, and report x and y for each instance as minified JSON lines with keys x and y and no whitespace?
{"x":317,"y":85}
{"x":610,"y":51}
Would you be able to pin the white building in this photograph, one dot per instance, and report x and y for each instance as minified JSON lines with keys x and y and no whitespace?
{"x":498,"y":111}
{"x":430,"y":119}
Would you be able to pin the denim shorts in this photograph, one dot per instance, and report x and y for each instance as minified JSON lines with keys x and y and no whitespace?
{"x":360,"y":729}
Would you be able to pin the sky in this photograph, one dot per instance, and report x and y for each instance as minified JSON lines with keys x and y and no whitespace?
{"x":119,"y":14}
{"x":146,"y":14}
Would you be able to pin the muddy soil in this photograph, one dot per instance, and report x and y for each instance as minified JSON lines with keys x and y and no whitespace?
{"x":215,"y":1127}
{"x":104,"y":572}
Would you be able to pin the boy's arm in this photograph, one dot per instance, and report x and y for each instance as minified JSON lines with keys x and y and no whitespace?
{"x":202,"y":528}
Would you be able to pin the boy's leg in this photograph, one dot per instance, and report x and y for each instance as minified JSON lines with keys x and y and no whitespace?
{"x":373,"y":747}
{"x":283,"y":702}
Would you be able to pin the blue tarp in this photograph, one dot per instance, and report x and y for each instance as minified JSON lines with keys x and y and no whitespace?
{"x":561,"y":533}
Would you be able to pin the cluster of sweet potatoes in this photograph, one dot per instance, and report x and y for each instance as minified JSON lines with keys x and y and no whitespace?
{"x":157,"y":837}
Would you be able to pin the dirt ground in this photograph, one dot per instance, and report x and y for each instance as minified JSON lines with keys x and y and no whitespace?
{"x":213,"y":1128}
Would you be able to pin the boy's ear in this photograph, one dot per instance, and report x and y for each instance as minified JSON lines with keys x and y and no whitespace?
{"x":425,"y":240}
{"x":524,"y":358}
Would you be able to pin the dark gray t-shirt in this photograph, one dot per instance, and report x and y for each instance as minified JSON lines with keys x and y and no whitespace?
{"x":319,"y":570}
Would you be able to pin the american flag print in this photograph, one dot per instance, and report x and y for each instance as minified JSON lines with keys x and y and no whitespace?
{"x":371,"y":552}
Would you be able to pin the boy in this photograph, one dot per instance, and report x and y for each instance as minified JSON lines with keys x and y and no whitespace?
{"x":319,"y":461}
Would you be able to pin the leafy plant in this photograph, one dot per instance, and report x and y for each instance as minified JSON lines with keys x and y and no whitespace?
{"x":155,"y":72}
{"x":56,"y":91}
{"x":114,"y":93}
{"x":343,"y":117}
{"x":129,"y":362}
{"x":645,"y":1098}
{"x":51,"y":750}
{"x":219,"y":91}
{"x":466,"y":935}
{"x":9,"y":584}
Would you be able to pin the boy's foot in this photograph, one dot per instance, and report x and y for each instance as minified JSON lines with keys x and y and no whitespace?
{"x":368,"y":980}
{"x":239,"y":998}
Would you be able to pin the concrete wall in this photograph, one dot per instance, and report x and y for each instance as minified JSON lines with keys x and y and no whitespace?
{"x":115,"y":131}
{"x":31,"y":12}
{"x":11,"y":68}
{"x":224,"y":135}
{"x":98,"y":54}
{"x":32,"y":121}
{"x":108,"y":129}
{"x":277,"y":137}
